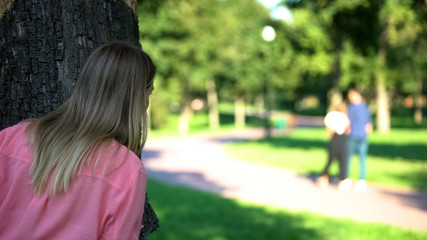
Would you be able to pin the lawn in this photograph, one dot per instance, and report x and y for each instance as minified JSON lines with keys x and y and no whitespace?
{"x":187,"y":214}
{"x":397,"y":159}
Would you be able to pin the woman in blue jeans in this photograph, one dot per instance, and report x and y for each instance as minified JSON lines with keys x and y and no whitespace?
{"x":360,"y":128}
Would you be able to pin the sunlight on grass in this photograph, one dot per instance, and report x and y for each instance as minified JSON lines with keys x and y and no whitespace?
{"x":187,"y":214}
{"x":396,"y":159}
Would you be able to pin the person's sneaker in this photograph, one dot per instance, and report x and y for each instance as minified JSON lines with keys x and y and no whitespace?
{"x":360,"y":185}
{"x":345,"y":185}
{"x":323,"y":181}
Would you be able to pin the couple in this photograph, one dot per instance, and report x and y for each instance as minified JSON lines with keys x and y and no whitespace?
{"x":349,"y":130}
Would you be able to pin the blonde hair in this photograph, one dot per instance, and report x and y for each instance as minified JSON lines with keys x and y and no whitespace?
{"x":109,"y":102}
{"x":340,"y":107}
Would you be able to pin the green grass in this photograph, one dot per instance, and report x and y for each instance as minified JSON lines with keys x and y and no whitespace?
{"x":189,"y":214}
{"x":397,"y":159}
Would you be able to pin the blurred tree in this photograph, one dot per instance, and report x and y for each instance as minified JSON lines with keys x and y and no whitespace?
{"x":418,"y":50}
{"x":44,"y":43}
{"x":400,"y":27}
{"x":363,"y":32}
{"x":180,"y":35}
{"x":240,"y":50}
{"x":201,"y":45}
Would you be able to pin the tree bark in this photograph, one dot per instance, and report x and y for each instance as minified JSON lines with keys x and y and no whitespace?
{"x":44,"y":43}
{"x":212,"y":104}
{"x":239,"y":112}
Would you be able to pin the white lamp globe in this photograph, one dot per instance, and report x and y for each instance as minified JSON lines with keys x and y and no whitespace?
{"x":268,"y":33}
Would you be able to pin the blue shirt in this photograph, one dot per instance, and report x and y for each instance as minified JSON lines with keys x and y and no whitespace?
{"x":359,"y":116}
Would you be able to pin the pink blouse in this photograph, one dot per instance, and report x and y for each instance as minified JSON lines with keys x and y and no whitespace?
{"x":105,"y":201}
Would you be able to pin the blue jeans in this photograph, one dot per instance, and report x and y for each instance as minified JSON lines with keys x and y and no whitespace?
{"x":359,"y":145}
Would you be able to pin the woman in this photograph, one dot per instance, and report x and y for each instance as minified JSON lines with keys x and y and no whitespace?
{"x":337,"y":125}
{"x":75,"y":173}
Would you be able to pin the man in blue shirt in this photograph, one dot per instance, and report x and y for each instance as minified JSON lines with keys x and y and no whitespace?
{"x":360,"y":127}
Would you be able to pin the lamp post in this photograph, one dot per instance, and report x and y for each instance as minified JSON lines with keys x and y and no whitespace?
{"x":268,"y":34}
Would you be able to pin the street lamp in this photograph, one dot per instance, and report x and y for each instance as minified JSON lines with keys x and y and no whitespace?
{"x":268,"y":34}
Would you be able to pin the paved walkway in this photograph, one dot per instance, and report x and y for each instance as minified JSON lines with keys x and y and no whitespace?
{"x":200,"y":162}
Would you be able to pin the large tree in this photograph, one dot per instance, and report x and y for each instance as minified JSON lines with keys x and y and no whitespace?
{"x":42,"y":46}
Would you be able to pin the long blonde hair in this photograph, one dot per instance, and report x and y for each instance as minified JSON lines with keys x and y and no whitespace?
{"x":109,"y":102}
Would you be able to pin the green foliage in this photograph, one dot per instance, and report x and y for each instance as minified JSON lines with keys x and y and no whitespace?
{"x":356,"y":30}
{"x":188,"y":214}
{"x":192,"y":41}
{"x":356,"y":69}
{"x":158,"y":116}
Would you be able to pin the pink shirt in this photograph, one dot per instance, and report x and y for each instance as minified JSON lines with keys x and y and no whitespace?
{"x":96,"y":206}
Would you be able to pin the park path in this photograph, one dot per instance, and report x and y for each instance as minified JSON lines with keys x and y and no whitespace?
{"x":200,"y":162}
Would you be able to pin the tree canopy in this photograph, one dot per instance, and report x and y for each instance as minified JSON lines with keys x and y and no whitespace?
{"x":377,"y":46}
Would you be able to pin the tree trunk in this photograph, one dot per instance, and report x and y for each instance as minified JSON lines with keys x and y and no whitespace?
{"x":239,"y":112}
{"x":44,"y":43}
{"x":259,"y":104}
{"x":334,"y":94}
{"x":184,"y":118}
{"x":212,"y":104}
{"x":418,"y":114}
{"x":383,"y":108}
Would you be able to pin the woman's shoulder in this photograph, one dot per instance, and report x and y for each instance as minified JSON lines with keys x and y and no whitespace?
{"x":13,"y":141}
{"x":115,"y":164}
{"x":15,"y":129}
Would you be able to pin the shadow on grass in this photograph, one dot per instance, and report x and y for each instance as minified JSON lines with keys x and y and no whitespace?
{"x":401,"y":152}
{"x":390,"y":151}
{"x":417,"y":180}
{"x":187,"y":214}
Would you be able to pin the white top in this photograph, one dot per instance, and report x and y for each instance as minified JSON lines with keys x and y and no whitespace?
{"x":337,"y":121}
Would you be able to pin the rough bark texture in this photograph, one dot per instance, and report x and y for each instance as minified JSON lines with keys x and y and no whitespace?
{"x":43,"y":44}
{"x":150,"y":222}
